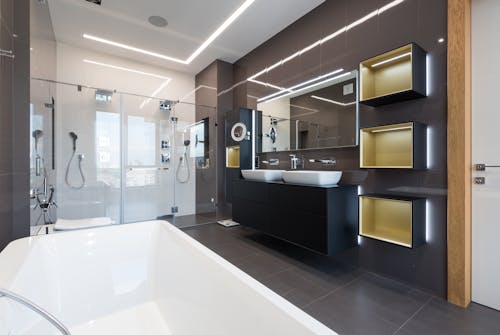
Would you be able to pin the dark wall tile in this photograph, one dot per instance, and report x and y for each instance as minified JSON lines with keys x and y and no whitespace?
{"x":420,"y":21}
{"x":14,"y":122}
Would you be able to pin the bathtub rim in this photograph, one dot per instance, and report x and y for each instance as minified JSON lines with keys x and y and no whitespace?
{"x":307,"y":321}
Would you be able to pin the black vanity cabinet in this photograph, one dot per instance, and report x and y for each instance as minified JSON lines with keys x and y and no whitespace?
{"x":323,"y":219}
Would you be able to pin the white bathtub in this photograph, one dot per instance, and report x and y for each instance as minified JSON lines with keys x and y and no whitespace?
{"x":141,"y":279}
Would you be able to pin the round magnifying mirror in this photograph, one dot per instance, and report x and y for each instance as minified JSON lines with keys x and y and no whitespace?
{"x":238,"y":132}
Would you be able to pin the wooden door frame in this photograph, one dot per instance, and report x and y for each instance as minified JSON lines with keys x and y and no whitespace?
{"x":459,"y":152}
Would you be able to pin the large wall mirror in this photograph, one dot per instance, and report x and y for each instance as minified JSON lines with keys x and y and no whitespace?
{"x":320,"y":116}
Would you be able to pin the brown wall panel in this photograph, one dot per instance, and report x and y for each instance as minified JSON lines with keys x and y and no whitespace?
{"x":421,"y":21}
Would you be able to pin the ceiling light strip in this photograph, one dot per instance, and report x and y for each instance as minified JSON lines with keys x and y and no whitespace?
{"x":195,"y":54}
{"x":88,"y":61}
{"x":219,"y":31}
{"x":329,"y":37}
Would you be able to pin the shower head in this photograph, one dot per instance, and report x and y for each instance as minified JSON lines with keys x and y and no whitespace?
{"x":74,"y":138}
{"x":187,"y":143}
{"x":37,"y":134}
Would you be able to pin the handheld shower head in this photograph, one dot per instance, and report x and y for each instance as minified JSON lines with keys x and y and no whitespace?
{"x":37,"y":134}
{"x":187,"y":143}
{"x":74,"y":137}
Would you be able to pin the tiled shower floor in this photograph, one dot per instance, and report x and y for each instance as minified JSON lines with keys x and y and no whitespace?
{"x":346,"y":299}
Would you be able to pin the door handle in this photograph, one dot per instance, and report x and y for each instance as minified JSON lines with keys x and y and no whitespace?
{"x":482,"y":167}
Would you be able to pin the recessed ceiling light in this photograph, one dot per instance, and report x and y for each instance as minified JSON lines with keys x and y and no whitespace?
{"x":195,"y":54}
{"x":441,"y":40}
{"x":158,"y":21}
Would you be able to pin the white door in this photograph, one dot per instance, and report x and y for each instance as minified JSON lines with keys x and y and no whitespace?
{"x":486,"y":150}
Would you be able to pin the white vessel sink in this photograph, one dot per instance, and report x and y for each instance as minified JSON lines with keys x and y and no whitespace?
{"x":314,"y":178}
{"x":262,"y":175}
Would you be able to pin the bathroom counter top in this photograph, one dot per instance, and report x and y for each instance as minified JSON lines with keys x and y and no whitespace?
{"x":294,"y":184}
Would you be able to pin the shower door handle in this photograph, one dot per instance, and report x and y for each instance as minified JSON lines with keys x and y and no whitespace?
{"x":161,"y":168}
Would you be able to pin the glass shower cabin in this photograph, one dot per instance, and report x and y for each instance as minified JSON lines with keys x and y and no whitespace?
{"x":118,"y":157}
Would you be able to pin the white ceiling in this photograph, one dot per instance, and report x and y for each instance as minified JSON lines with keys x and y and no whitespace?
{"x":190,"y":23}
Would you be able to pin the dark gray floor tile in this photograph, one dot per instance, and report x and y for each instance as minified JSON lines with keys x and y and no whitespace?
{"x":232,"y":251}
{"x":329,"y":277}
{"x":294,"y":288}
{"x":210,"y":234}
{"x":440,"y":317}
{"x":369,"y":303}
{"x":261,"y":265}
{"x":349,"y":317}
{"x":345,"y":298}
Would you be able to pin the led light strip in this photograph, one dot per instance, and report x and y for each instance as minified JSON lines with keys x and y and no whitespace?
{"x":343,"y":104}
{"x":390,"y":129}
{"x":305,"y":108}
{"x":329,"y":37}
{"x":291,"y":89}
{"x":275,"y":96}
{"x":391,"y":59}
{"x":266,"y":84}
{"x":88,"y":61}
{"x":195,"y":54}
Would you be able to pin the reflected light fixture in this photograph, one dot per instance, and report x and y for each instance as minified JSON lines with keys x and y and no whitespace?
{"x":329,"y":37}
{"x":294,"y":91}
{"x":343,"y":104}
{"x":88,"y":61}
{"x":195,"y":54}
{"x":155,"y":93}
{"x":291,"y":90}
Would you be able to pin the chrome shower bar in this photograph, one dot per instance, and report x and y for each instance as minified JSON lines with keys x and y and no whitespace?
{"x":37,"y":309}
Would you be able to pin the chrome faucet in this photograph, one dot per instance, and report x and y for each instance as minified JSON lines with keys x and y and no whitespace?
{"x":295,"y":162}
{"x":327,"y":161}
{"x":272,"y":162}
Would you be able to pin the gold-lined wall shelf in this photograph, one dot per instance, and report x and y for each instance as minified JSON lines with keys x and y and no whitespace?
{"x":397,"y":75}
{"x":394,"y":146}
{"x":397,"y":220}
{"x":233,"y":157}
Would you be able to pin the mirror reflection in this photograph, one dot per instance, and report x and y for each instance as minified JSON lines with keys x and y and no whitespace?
{"x":321,"y":116}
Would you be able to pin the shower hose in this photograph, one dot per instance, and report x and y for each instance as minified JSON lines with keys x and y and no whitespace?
{"x":77,"y":187}
{"x":186,"y":164}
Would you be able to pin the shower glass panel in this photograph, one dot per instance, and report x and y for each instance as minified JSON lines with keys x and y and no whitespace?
{"x":118,"y":156}
{"x":88,"y":165}
{"x":148,"y":176}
